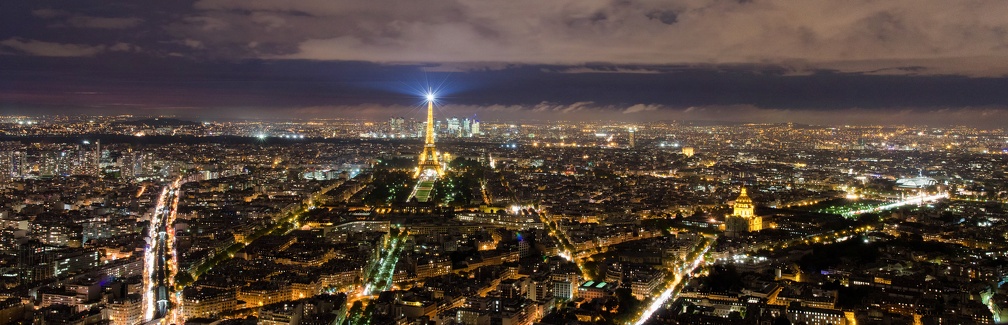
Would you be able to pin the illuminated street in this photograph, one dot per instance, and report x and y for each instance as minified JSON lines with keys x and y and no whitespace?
{"x":821,"y":238}
{"x":912,"y":200}
{"x":378,"y":278}
{"x":672,"y":288}
{"x":160,"y":264}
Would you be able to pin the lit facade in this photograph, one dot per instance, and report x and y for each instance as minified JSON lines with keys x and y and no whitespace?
{"x":743,"y":218}
{"x":207,"y":302}
{"x":126,"y":311}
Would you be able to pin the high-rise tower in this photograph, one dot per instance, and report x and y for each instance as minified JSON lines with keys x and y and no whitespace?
{"x":632,"y":131}
{"x":429,"y":164}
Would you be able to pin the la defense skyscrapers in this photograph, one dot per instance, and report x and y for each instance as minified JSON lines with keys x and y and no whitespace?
{"x":429,"y":163}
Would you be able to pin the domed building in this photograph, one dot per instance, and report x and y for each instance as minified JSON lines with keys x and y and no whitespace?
{"x":743,"y":218}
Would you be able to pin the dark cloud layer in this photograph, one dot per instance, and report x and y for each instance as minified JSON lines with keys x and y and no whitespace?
{"x":767,"y":59}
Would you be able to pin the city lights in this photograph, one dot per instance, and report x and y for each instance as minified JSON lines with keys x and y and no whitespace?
{"x":490,"y":162}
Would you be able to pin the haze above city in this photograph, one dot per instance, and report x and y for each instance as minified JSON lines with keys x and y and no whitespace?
{"x":817,"y":62}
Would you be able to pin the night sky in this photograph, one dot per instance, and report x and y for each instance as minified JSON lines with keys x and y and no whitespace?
{"x":934,"y":62}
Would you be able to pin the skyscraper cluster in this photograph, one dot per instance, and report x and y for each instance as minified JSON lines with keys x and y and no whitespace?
{"x":75,"y":159}
{"x":398,"y":127}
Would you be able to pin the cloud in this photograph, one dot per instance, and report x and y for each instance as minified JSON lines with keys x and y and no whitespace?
{"x":49,"y":13}
{"x":607,"y":69}
{"x":193,"y":43}
{"x":467,"y":66}
{"x":861,"y":35}
{"x":123,"y":47}
{"x":69,"y":19}
{"x":103,"y":22}
{"x":41,"y":48}
{"x":973,"y":116}
{"x":51,"y":49}
{"x":667,"y":17}
{"x":640,"y":108}
{"x":559,"y":108}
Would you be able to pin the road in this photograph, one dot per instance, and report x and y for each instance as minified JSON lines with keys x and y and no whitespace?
{"x":379,"y":277}
{"x":833,"y":236}
{"x":160,"y":264}
{"x":566,"y":251}
{"x":423,"y":188}
{"x":672,"y":288}
{"x":844,"y":234}
{"x":920,"y":199}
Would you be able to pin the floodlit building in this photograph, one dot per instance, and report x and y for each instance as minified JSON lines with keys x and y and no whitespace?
{"x":743,"y":219}
{"x":127,"y":310}
{"x":207,"y":302}
{"x":633,"y":142}
{"x":454,"y":127}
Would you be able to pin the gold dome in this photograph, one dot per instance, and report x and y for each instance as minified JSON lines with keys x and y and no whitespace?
{"x":743,"y":198}
{"x":744,"y":206}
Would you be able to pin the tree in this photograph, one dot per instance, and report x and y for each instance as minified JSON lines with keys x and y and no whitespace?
{"x":354,"y":313}
{"x":628,"y":306}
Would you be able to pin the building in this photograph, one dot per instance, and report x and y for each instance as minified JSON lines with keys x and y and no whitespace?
{"x":915,"y":182}
{"x":81,"y":294}
{"x":206,"y":302}
{"x":513,"y":288}
{"x":816,"y":316}
{"x":12,"y":165}
{"x":396,"y":125}
{"x":284,"y":313}
{"x":127,"y":310}
{"x":471,"y":316}
{"x":644,"y":281}
{"x":429,"y":165}
{"x":591,"y":289}
{"x":263,"y":293}
{"x":61,"y":296}
{"x":34,"y":262}
{"x":565,"y":285}
{"x":540,"y":288}
{"x":454,"y":127}
{"x":466,"y":127}
{"x":633,"y":142}
{"x":11,"y":310}
{"x":38,"y":262}
{"x":512,"y":312}
{"x":432,"y":267}
{"x":743,"y":218}
{"x":687,"y":151}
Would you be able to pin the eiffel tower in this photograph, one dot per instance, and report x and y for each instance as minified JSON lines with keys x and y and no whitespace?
{"x":429,"y":164}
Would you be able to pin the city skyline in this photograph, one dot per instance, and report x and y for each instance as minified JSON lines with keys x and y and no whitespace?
{"x":111,"y":218}
{"x":524,"y":162}
{"x":872,"y":63}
